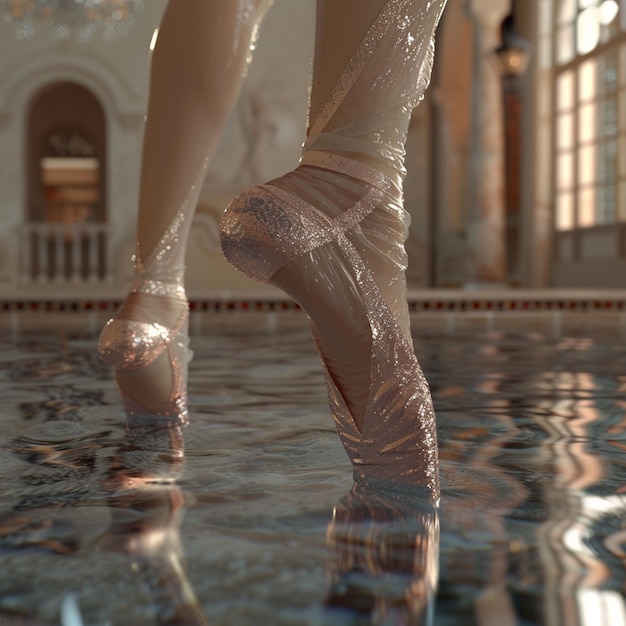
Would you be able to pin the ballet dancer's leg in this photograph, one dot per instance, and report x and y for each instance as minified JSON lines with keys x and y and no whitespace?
{"x":201,"y":56}
{"x":331,"y":233}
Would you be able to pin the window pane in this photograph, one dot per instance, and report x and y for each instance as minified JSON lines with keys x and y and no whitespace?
{"x":565,"y":171}
{"x":567,"y":11}
{"x":565,"y":50}
{"x":587,"y":30}
{"x":565,"y":211}
{"x":608,"y":73}
{"x":565,"y":131}
{"x":607,"y":161}
{"x":587,"y":80}
{"x":608,"y":122}
{"x":607,"y":17}
{"x":590,"y":133}
{"x":565,"y":91}
{"x":587,"y":118}
{"x":587,"y":165}
{"x":621,"y":205}
{"x":609,"y":10}
{"x":586,"y":207}
{"x":607,"y":204}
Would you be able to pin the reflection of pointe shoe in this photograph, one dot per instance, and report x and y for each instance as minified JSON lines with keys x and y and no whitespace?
{"x":383,"y":546}
{"x":153,"y":453}
{"x":146,"y":508}
{"x":331,"y":234}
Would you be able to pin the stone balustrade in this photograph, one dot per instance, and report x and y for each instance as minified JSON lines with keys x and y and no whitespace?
{"x":65,"y":253}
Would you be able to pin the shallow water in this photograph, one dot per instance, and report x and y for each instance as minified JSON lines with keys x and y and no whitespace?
{"x":259,"y":521}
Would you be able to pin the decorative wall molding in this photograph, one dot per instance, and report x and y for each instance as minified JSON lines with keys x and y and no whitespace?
{"x":108,"y":85}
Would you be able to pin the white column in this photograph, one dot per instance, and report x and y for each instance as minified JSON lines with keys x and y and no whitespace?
{"x":485,"y":199}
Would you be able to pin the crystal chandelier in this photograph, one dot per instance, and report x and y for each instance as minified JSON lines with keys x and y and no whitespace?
{"x":64,"y":19}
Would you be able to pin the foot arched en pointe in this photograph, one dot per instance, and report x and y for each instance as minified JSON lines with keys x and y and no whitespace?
{"x":331,"y":235}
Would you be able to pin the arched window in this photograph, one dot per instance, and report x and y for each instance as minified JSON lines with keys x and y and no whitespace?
{"x":70,"y":178}
{"x":65,"y":231}
{"x":66,"y":150}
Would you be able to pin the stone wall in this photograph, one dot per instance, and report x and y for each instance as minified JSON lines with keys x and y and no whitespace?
{"x":262,"y":141}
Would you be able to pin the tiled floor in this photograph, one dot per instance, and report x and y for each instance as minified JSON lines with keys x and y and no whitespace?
{"x":259,"y":522}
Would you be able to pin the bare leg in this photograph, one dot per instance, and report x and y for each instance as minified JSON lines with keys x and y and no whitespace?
{"x":198,"y":64}
{"x":335,"y":44}
{"x":200,"y":59}
{"x":340,"y":28}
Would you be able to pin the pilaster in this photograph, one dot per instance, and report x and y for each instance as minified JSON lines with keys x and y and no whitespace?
{"x":485,"y":209}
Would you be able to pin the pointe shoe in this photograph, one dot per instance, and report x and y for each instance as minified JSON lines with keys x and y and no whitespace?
{"x":128,"y":344}
{"x":147,"y":343}
{"x":132,"y":348}
{"x":267,"y":232}
{"x":331,"y":234}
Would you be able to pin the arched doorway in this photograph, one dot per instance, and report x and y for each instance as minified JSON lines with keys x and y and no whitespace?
{"x":66,"y":185}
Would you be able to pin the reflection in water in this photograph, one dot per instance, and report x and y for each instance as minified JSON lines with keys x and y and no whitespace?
{"x":132,"y":508}
{"x":383,"y":538}
{"x":533,"y":441}
{"x":383,"y":554}
{"x":382,"y":541}
{"x":116,"y":508}
{"x":146,"y":509}
{"x":550,"y":493}
{"x":587,"y":520}
{"x":478,"y":495}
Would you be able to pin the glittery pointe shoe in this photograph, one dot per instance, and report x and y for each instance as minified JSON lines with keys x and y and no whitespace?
{"x":274,"y":236}
{"x":131,"y":347}
{"x":130,"y":344}
{"x":331,"y":235}
{"x":153,"y":321}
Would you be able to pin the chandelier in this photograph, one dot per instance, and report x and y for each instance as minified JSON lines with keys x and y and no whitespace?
{"x":64,"y":19}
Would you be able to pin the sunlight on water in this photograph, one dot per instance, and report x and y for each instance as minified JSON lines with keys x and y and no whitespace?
{"x":250,"y":514}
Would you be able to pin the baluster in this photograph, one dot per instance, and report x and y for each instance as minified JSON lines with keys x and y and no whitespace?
{"x":59,"y":252}
{"x":27,"y":252}
{"x":42,"y":253}
{"x":108,"y":256}
{"x":77,"y":253}
{"x":94,"y":252}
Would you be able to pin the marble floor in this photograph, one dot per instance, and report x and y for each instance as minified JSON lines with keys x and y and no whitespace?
{"x":259,"y":522}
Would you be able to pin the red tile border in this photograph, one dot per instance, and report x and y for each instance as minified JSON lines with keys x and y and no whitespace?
{"x":435,"y":305}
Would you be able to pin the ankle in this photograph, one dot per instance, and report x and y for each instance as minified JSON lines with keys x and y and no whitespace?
{"x":149,"y":307}
{"x":370,"y":161}
{"x":360,"y":166}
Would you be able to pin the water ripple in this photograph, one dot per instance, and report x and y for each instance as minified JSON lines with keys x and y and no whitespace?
{"x":250,"y":514}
